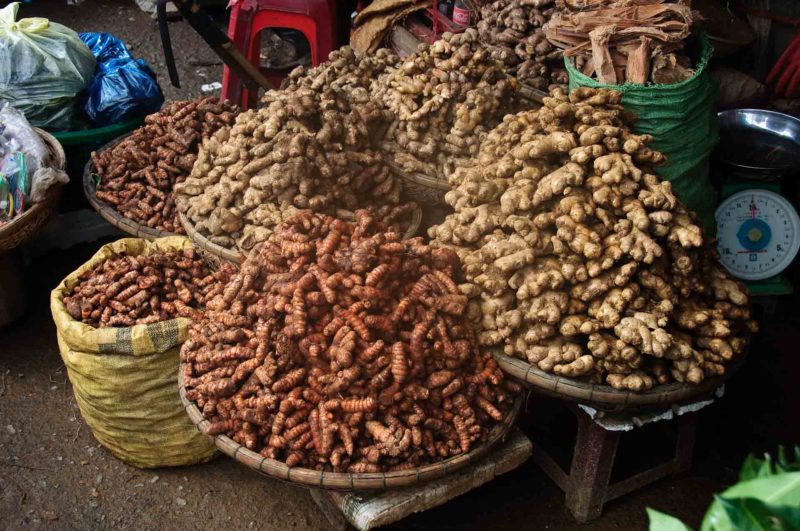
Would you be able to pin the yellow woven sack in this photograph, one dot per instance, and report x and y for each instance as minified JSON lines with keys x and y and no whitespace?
{"x":125,"y":380}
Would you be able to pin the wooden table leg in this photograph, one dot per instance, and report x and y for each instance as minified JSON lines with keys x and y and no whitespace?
{"x":592,"y":462}
{"x":684,"y":447}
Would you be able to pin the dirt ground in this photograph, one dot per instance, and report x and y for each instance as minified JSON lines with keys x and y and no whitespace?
{"x":54,"y":475}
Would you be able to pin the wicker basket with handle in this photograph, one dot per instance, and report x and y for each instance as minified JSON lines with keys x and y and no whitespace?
{"x":31,"y":221}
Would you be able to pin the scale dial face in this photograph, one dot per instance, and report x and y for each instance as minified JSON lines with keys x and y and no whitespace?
{"x":758,"y":234}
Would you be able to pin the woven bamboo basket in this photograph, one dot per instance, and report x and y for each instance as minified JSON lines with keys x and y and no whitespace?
{"x":210,"y":250}
{"x":107,"y":212}
{"x":421,"y":188}
{"x":31,"y":221}
{"x":531,"y":95}
{"x":340,"y":480}
{"x":605,"y":397}
{"x":215,"y":252}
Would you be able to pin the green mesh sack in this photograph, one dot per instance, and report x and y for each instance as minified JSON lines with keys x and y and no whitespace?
{"x":682,"y":120}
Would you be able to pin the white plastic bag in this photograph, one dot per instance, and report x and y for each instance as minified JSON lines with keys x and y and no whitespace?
{"x":43,"y":66}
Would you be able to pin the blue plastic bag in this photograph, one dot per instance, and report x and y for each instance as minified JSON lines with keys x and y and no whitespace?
{"x":123,"y":87}
{"x":105,"y":47}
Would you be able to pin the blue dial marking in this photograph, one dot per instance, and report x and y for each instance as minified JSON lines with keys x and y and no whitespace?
{"x":754,"y":234}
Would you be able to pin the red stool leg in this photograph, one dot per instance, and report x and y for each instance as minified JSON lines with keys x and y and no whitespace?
{"x":238,"y":30}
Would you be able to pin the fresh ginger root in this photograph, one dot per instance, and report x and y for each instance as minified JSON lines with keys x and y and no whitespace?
{"x":583,"y":261}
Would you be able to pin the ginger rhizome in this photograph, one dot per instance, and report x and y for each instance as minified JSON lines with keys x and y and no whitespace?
{"x":513,"y":31}
{"x":342,"y":347}
{"x":443,"y":98}
{"x":143,"y":289}
{"x":580,"y":260}
{"x":137,"y":176}
{"x":310,"y":145}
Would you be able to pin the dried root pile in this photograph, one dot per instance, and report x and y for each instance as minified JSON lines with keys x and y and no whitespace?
{"x":513,"y":31}
{"x":137,"y":176}
{"x":342,"y":347}
{"x":309,"y":146}
{"x":444,"y":98}
{"x":145,"y":289}
{"x":580,"y":260}
{"x":617,"y":41}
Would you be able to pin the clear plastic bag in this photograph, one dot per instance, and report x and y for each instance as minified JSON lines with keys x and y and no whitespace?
{"x":123,"y":87}
{"x":43,"y":66}
{"x":25,"y":160}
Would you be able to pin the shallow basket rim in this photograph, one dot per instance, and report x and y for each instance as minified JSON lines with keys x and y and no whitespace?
{"x":237,"y":257}
{"x":106,"y":211}
{"x":604,"y":396}
{"x":207,"y":245}
{"x":344,"y":481}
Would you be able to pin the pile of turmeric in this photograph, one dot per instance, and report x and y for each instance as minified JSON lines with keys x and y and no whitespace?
{"x":341,"y":347}
{"x":311,"y":145}
{"x":144,"y":289}
{"x":137,"y":176}
{"x":580,"y":260}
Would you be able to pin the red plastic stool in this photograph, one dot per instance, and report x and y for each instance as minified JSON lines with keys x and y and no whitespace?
{"x":315,"y":19}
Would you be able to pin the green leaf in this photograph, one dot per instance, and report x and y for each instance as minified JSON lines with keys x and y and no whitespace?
{"x":664,"y":522}
{"x":781,"y":489}
{"x":750,"y":514}
{"x":750,"y":468}
{"x":95,"y":179}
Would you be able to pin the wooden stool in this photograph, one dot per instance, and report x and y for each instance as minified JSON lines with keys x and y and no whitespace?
{"x":367,"y":510}
{"x":587,"y":486}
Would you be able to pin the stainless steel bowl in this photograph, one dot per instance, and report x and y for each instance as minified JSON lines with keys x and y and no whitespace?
{"x":758,"y":142}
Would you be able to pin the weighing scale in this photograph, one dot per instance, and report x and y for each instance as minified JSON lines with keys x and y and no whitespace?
{"x":758,"y":229}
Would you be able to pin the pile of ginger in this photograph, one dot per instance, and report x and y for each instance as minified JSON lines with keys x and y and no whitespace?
{"x":311,"y":145}
{"x":580,"y":260}
{"x":339,"y":346}
{"x":513,"y":31}
{"x":444,"y":97}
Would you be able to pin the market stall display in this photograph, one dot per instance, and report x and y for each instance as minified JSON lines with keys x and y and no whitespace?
{"x":131,"y":181}
{"x":340,"y":347}
{"x":582,"y":261}
{"x":625,"y":41}
{"x":311,"y":146}
{"x":443,"y":98}
{"x":514,"y":32}
{"x":125,"y":377}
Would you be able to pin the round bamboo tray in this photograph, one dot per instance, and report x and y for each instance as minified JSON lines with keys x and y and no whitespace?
{"x":30,"y":222}
{"x":211,"y":250}
{"x":340,"y":480}
{"x":605,"y":397}
{"x":107,"y":212}
{"x":215,"y":252}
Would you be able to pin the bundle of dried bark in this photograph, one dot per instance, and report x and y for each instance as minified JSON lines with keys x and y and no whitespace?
{"x":616,"y":41}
